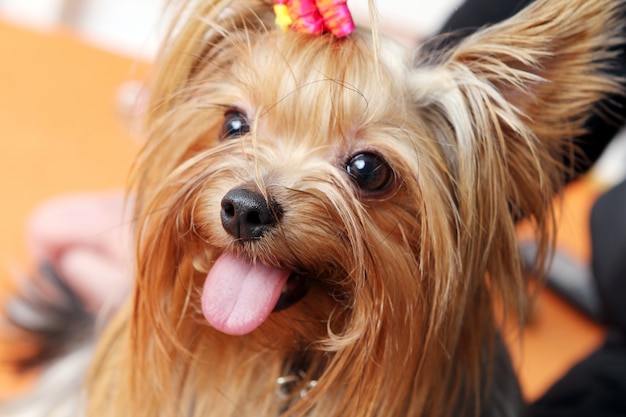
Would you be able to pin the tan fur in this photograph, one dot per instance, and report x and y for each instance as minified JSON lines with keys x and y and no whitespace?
{"x":401,"y":317}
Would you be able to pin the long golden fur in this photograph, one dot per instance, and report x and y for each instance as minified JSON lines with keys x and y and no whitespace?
{"x":399,"y":316}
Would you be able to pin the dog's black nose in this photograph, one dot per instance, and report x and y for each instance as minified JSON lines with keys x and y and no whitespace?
{"x":247,"y":214}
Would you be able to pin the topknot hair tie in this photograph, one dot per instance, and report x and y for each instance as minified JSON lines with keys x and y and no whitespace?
{"x":314,"y":16}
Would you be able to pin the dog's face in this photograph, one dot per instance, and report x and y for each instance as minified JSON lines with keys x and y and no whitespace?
{"x":310,"y":183}
{"x":313,"y":186}
{"x":350,"y":215}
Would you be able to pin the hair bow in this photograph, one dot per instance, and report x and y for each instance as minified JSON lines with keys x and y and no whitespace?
{"x":314,"y":16}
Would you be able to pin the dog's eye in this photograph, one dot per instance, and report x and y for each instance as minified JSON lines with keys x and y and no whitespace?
{"x":369,"y":171}
{"x":235,"y":125}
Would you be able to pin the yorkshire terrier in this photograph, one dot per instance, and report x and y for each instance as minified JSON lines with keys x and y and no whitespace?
{"x":326,"y":224}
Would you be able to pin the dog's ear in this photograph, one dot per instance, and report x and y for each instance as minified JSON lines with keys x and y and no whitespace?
{"x":530,"y":82}
{"x":505,"y":105}
{"x":513,"y":96}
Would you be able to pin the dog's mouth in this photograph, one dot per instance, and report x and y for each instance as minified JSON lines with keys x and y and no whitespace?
{"x":239,"y":295}
{"x":294,"y":290}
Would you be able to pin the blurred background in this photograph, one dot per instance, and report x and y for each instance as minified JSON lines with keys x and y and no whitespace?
{"x":123,"y":26}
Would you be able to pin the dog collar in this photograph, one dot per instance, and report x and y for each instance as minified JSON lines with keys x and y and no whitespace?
{"x":286,"y":385}
{"x":314,"y":16}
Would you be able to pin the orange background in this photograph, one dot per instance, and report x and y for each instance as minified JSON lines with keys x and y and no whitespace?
{"x":60,"y":132}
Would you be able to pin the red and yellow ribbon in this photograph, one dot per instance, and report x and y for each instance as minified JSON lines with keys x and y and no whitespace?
{"x":314,"y":16}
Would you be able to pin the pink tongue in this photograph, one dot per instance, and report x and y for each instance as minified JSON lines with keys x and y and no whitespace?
{"x":238,"y":296}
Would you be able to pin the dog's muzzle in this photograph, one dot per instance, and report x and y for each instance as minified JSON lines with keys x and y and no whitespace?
{"x":240,"y":292}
